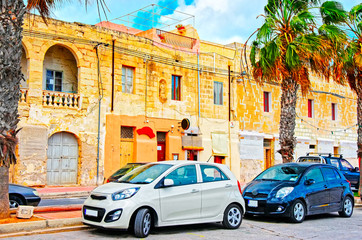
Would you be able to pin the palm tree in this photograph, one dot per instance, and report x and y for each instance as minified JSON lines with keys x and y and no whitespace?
{"x":287,"y":47}
{"x":350,"y":56}
{"x":11,"y":21}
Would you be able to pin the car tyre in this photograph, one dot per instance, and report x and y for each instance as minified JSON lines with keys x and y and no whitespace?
{"x":233,"y":216}
{"x":347,"y":207}
{"x":298,"y":211}
{"x":142,"y":223}
{"x":15,"y":201}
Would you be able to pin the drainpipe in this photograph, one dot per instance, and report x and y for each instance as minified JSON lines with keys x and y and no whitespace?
{"x":229,"y":123}
{"x":198,"y":86}
{"x":112,"y":100}
{"x":100,"y":92}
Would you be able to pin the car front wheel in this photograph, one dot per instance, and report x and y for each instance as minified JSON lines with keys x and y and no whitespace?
{"x":233,"y":216}
{"x":347,"y":207}
{"x":15,"y":201}
{"x":142,"y":224}
{"x":298,"y":211}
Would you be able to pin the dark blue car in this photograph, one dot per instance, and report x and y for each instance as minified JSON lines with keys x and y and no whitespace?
{"x":295,"y":190}
{"x":22,"y":195}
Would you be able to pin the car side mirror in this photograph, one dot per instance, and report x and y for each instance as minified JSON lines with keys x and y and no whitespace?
{"x":309,"y":182}
{"x":168,"y":182}
{"x":356,"y":169}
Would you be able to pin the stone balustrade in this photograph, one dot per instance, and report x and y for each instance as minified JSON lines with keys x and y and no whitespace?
{"x":23,"y":95}
{"x":61,"y":99}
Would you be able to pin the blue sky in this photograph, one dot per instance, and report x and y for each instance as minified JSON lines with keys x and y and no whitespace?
{"x":220,"y":21}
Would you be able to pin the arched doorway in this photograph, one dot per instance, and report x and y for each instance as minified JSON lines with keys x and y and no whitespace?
{"x":62,"y":164}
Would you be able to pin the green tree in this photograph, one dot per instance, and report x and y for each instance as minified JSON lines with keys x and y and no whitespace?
{"x":287,"y":48}
{"x":11,"y":20}
{"x":350,"y":56}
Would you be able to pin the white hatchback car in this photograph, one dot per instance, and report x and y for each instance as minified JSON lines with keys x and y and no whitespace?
{"x":164,"y":194}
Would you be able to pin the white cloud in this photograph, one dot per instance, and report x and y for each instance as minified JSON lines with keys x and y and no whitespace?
{"x":225,"y":21}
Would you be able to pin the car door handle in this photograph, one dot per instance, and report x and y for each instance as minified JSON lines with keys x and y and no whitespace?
{"x":228,"y":185}
{"x":195,"y":190}
{"x":325,"y":186}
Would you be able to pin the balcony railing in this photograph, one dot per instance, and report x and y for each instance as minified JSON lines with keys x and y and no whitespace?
{"x":61,"y":99}
{"x":23,"y":95}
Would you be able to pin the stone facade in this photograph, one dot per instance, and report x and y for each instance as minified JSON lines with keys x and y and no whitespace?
{"x":85,"y":113}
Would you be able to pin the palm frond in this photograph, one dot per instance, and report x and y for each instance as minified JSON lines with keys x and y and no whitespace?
{"x":332,"y":12}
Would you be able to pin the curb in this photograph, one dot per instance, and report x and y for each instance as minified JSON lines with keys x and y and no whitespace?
{"x":26,"y":227}
{"x":64,"y":195}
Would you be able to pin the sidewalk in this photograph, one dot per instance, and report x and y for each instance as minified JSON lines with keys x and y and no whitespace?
{"x":64,"y":192}
{"x":59,"y":218}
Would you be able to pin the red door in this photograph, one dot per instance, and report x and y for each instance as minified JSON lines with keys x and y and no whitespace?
{"x":218,"y":159}
{"x":161,"y":153}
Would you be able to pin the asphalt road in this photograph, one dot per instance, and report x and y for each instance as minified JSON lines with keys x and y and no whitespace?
{"x":61,"y":201}
{"x":327,"y":226}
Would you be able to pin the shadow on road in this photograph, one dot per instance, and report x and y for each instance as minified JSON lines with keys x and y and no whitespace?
{"x":275,"y":219}
{"x":160,"y":230}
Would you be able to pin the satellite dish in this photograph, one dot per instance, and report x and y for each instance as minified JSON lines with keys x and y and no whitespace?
{"x":185,"y":124}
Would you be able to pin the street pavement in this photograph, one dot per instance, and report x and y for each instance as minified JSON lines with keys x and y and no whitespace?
{"x":326,"y":226}
{"x":68,"y":218}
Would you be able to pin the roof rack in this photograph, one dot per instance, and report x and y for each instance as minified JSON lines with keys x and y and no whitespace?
{"x":328,"y":154}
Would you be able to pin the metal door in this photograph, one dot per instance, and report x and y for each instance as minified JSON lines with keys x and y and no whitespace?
{"x":62,"y":164}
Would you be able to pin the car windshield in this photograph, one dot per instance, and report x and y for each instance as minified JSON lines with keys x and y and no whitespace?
{"x":282,"y":173}
{"x":123,"y":170}
{"x":144,"y":174}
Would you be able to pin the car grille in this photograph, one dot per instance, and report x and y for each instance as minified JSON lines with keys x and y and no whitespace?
{"x":98,"y":218}
{"x":259,"y":195}
{"x":98,"y":197}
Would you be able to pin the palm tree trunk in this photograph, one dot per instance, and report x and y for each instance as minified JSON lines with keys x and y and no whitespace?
{"x":359,"y":132}
{"x":287,"y":119}
{"x":11,"y":21}
{"x":4,"y":189}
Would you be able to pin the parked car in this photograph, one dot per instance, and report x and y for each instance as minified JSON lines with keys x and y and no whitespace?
{"x":122,"y":171}
{"x":296,"y":190}
{"x":22,"y":195}
{"x":351,"y":173}
{"x":164,"y":194}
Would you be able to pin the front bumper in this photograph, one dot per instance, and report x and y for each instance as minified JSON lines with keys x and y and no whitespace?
{"x":33,"y":201}
{"x":267,"y":207}
{"x":99,"y":210}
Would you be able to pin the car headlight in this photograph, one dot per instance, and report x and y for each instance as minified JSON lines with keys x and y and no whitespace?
{"x":36,"y":193}
{"x":124,"y":194}
{"x":283,"y":192}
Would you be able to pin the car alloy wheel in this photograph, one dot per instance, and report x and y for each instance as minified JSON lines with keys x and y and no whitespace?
{"x":15,"y":201}
{"x":232,"y":217}
{"x":298,"y":211}
{"x":143,"y":222}
{"x":347,"y":207}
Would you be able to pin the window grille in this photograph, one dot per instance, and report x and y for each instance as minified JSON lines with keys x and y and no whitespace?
{"x":127,"y":132}
{"x":161,"y":137}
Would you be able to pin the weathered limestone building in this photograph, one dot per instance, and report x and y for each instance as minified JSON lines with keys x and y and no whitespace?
{"x":97,"y":97}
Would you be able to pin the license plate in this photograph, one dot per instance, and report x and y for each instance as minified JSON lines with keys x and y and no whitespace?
{"x":253,"y":203}
{"x":92,"y":213}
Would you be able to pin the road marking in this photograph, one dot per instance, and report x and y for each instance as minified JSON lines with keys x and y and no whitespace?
{"x":201,"y":236}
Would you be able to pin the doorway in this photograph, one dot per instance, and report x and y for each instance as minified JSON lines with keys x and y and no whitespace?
{"x":62,"y":163}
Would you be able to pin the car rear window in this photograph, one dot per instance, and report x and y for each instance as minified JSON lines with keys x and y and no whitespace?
{"x":330,"y":174}
{"x":309,"y":159}
{"x":334,"y":162}
{"x":212,"y":173}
